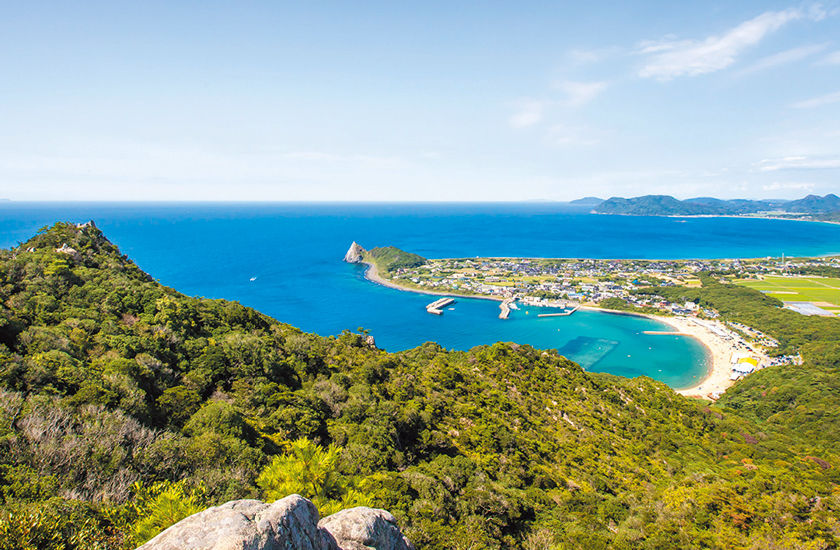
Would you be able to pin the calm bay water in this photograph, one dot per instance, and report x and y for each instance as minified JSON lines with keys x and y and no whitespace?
{"x":293,"y":252}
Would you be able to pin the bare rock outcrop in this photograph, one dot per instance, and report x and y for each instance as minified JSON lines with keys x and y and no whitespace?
{"x":354,"y":255}
{"x":289,"y":523}
{"x":67,"y":250}
{"x":365,"y":528}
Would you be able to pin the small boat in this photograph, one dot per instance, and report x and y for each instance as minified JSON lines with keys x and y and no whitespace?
{"x":253,"y":278}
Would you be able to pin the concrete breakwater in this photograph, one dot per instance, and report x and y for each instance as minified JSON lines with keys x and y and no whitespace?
{"x":505,"y":307}
{"x":564,"y":314}
{"x":436,"y":307}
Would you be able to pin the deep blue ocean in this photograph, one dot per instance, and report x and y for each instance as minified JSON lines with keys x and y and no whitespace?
{"x":293,"y":253}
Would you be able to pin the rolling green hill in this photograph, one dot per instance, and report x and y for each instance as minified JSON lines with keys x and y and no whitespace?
{"x":655,"y":205}
{"x":388,"y":259}
{"x":118,"y":391}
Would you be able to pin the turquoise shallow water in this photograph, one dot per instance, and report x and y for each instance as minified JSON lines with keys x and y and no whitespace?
{"x":293,"y":252}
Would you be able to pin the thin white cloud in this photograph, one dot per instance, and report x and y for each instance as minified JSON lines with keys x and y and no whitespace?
{"x":831,"y":59}
{"x":313,"y":156}
{"x":672,"y":58}
{"x":776,"y":186}
{"x":584,"y":57}
{"x":784,"y":58}
{"x":529,"y":112}
{"x":798,"y":163}
{"x":580,"y":93}
{"x":818,"y":101}
{"x":817,"y":12}
{"x":369,"y":161}
{"x":579,"y":57}
{"x":561,"y":135}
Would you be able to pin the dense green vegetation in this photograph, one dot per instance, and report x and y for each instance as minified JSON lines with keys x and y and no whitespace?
{"x":655,"y":205}
{"x":121,"y":398}
{"x":804,"y":399}
{"x":821,"y":270}
{"x":833,"y":217}
{"x":617,"y":304}
{"x":388,"y":259}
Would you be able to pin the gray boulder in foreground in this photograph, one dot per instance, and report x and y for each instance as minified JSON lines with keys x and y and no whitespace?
{"x":290,"y":523}
{"x":363,"y":528}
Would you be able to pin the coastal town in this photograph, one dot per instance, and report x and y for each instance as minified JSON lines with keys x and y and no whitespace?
{"x":553,"y":282}
{"x":569,"y":284}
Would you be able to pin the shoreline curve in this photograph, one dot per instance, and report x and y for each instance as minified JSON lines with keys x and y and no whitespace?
{"x":717,"y":377}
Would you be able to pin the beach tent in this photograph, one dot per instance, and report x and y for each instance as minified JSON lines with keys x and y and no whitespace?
{"x":743,"y":368}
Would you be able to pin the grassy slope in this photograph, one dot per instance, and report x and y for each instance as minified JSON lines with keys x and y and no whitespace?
{"x":390,"y":258}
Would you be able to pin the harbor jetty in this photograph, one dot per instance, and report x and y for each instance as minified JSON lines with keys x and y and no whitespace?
{"x":436,"y":307}
{"x":505,"y":307}
{"x":563,"y":314}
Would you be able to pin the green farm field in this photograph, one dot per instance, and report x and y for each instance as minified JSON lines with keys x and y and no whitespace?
{"x":820,"y":290}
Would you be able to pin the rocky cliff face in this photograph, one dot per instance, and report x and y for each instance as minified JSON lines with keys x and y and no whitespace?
{"x":354,"y":255}
{"x":289,"y":523}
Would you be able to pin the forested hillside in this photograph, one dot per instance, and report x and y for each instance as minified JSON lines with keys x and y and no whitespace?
{"x":803,"y":400}
{"x":391,"y":258}
{"x":126,"y":405}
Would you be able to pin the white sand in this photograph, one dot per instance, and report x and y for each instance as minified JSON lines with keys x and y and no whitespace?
{"x":718,"y":378}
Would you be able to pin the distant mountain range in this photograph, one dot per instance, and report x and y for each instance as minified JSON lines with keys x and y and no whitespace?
{"x":666,"y":205}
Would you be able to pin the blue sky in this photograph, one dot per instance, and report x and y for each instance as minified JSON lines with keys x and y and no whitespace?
{"x":428,"y":101}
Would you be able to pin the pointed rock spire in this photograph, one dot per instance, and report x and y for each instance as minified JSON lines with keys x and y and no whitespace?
{"x":354,"y":255}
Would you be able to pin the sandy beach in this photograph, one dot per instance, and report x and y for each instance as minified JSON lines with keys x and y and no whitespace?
{"x":717,"y":379}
